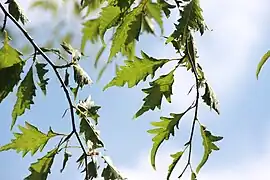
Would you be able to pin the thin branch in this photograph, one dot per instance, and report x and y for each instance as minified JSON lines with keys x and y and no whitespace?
{"x":4,"y":23}
{"x":37,"y":48}
{"x":64,"y":66}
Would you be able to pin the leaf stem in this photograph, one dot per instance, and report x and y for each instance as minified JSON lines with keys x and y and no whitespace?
{"x":37,"y":48}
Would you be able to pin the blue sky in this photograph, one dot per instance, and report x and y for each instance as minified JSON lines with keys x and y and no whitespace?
{"x":229,"y":55}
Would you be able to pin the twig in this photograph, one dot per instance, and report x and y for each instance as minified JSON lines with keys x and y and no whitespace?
{"x":64,"y":66}
{"x":37,"y":49}
{"x":4,"y":23}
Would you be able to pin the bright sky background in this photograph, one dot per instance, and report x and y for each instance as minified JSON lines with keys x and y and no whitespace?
{"x":229,"y":55}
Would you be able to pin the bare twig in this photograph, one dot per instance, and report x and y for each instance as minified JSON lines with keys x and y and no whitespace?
{"x":37,"y":49}
{"x":4,"y":23}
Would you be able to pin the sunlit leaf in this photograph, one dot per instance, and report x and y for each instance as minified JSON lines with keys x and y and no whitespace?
{"x":176,"y":157}
{"x":136,"y":70}
{"x":208,"y":144}
{"x":159,"y":88}
{"x":41,"y":169}
{"x":165,"y":6}
{"x":29,"y":140}
{"x":262,"y":62}
{"x":154,"y":11}
{"x":11,"y":66}
{"x":162,"y":131}
{"x":127,"y":31}
{"x":25,"y":94}
{"x":41,"y":71}
{"x":80,"y":76}
{"x":90,"y":32}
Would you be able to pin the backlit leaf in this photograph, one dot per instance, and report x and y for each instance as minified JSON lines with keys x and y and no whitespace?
{"x":154,"y":11}
{"x":162,"y":131}
{"x":25,"y":94}
{"x":41,"y":169}
{"x":29,"y":140}
{"x":50,"y":5}
{"x":159,"y":88}
{"x":176,"y":157}
{"x":208,"y":144}
{"x":262,"y":62}
{"x":11,"y":66}
{"x":90,"y":32}
{"x":127,"y":31}
{"x":136,"y":70}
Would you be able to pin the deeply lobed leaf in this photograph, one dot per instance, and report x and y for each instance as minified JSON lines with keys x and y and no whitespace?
{"x":159,"y":88}
{"x":110,"y":172}
{"x":176,"y":157}
{"x":41,"y":169}
{"x":29,"y":140}
{"x":163,"y":130}
{"x":210,"y":99}
{"x":136,"y":70}
{"x":208,"y":144}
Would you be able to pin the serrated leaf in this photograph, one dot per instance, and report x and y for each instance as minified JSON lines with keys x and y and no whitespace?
{"x":136,"y":70}
{"x":109,"y":17}
{"x":41,"y":71}
{"x":11,"y":66}
{"x":127,"y":31}
{"x":165,"y":6}
{"x":210,"y":99}
{"x":66,"y":158}
{"x":159,"y":88}
{"x":92,"y":170}
{"x":176,"y":157}
{"x":154,"y":11}
{"x":110,"y":172}
{"x":208,"y":144}
{"x":147,"y":25}
{"x":29,"y":140}
{"x":80,"y":76}
{"x":15,"y":10}
{"x":262,"y":62}
{"x":90,"y":133}
{"x":191,"y":19}
{"x":163,"y":129}
{"x":25,"y":94}
{"x":90,"y":32}
{"x":41,"y":169}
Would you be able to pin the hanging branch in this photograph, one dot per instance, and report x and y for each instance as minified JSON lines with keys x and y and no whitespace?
{"x":38,"y":49}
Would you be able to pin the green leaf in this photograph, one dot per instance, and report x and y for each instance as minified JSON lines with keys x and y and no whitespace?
{"x":176,"y":157}
{"x":163,"y":130}
{"x":11,"y":66}
{"x":109,"y":17}
{"x":90,"y":32}
{"x":66,"y":158}
{"x":193,"y":176}
{"x":30,"y":139}
{"x":210,"y":99}
{"x":154,"y":11}
{"x":41,"y":169}
{"x":208,"y":144}
{"x":159,"y":88}
{"x":147,"y":25}
{"x":110,"y":172}
{"x":66,"y":81}
{"x":165,"y":7}
{"x":25,"y":94}
{"x":92,"y":170}
{"x":75,"y":91}
{"x":41,"y":71}
{"x":67,"y":47}
{"x":90,"y":133}
{"x":262,"y":62}
{"x":100,"y":52}
{"x":136,"y":70}
{"x":127,"y":31}
{"x":191,"y":19}
{"x":15,"y":10}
